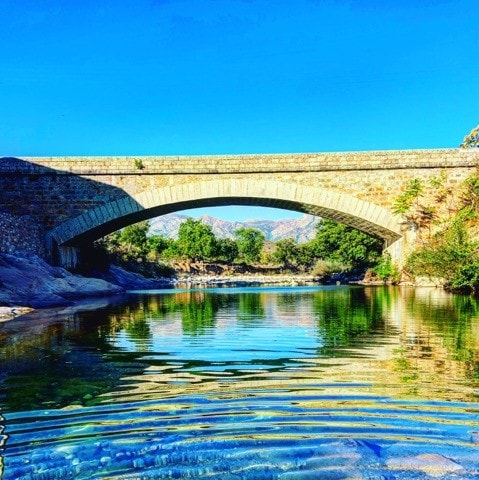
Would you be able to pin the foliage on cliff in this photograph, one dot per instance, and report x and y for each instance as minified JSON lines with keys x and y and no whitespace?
{"x":446,"y":224}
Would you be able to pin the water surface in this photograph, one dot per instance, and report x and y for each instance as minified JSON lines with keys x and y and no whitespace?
{"x":289,"y":383}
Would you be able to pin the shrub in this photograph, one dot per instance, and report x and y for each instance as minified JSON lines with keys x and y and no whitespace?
{"x":328,"y":267}
{"x":386,"y":270}
{"x":451,"y":255}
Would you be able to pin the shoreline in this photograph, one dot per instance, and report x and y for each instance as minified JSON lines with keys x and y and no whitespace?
{"x":28,"y":283}
{"x":196,"y":281}
{"x":251,"y":279}
{"x":189,"y":281}
{"x":9,"y":313}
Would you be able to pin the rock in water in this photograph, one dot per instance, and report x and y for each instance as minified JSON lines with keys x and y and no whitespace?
{"x":7,"y":313}
{"x":430,"y":463}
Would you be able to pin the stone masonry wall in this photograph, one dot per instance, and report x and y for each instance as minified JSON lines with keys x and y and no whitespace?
{"x":21,"y":234}
{"x":341,"y":161}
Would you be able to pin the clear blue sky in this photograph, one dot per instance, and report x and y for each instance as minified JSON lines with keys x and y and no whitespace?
{"x":162,"y":77}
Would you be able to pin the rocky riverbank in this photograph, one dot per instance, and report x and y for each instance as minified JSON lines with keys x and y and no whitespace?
{"x":29,"y":281}
{"x":254,"y":279}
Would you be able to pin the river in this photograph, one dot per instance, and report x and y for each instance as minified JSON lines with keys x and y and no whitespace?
{"x":244,"y":383}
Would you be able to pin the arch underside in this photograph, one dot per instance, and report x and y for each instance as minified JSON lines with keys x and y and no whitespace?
{"x":347,"y":209}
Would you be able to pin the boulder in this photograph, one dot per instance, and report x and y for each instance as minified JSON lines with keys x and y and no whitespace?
{"x":27,"y":280}
{"x":131,"y":280}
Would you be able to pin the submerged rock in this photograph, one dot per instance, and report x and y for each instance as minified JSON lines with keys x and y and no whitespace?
{"x":432,"y":464}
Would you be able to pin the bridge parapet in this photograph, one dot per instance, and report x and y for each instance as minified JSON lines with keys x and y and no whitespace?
{"x":200,"y":164}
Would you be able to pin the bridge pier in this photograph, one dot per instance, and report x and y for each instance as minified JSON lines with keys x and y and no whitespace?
{"x":69,"y":257}
{"x":395,"y":250}
{"x":401,"y":248}
{"x":63,"y":256}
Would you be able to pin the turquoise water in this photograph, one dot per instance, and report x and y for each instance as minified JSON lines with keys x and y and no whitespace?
{"x":244,"y":383}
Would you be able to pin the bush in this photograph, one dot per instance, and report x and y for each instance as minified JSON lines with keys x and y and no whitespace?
{"x":467,"y":278}
{"x":386,"y":270}
{"x":328,"y":267}
{"x":346,"y":245}
{"x":450,"y":255}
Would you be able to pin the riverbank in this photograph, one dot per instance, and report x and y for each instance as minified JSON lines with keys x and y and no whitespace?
{"x":27,"y":282}
{"x":254,"y":279}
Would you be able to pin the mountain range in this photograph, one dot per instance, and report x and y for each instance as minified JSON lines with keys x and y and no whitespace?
{"x":301,"y":229}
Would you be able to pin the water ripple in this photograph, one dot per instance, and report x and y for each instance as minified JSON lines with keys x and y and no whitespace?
{"x":259,"y":436}
{"x":293,"y":390}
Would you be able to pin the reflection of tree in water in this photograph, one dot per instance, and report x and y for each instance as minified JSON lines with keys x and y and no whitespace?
{"x":343,"y":315}
{"x":198,"y":315}
{"x":198,"y":311}
{"x":250,"y":307}
{"x":139,"y":330}
{"x":72,"y":360}
{"x":453,"y":322}
{"x":284,"y":300}
{"x":69,"y":361}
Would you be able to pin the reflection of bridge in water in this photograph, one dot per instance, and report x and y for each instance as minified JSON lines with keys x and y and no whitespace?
{"x":79,"y":199}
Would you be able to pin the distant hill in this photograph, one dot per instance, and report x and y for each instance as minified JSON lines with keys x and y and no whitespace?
{"x":301,"y":230}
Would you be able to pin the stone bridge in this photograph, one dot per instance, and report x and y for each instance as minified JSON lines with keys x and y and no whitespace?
{"x":75,"y":200}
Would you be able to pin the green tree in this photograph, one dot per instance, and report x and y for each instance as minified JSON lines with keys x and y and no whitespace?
{"x":172,"y":251}
{"x":305,"y":256}
{"x":451,"y":255}
{"x":157,"y":244}
{"x":285,"y":252}
{"x":471,"y":140}
{"x":135,"y":239}
{"x":250,"y":242}
{"x":227,"y":250}
{"x":341,"y":243}
{"x":196,"y":241}
{"x":386,"y":270}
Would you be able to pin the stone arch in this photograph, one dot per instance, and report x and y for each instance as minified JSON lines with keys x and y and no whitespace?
{"x":341,"y":207}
